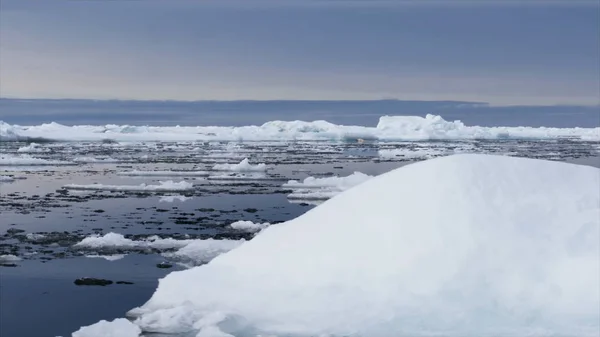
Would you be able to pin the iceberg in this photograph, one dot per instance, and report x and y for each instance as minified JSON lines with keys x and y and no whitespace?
{"x":163,"y":186}
{"x":6,"y":178}
{"x":249,"y":226}
{"x":32,"y":148}
{"x":389,"y":128}
{"x":464,"y":245}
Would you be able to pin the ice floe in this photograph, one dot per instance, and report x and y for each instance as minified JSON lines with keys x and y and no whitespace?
{"x":134,"y":173}
{"x":163,"y":186}
{"x":312,"y":188}
{"x":466,"y":245}
{"x":33,"y":148}
{"x":27,"y":160}
{"x":243,"y":166}
{"x":173,"y":198}
{"x":249,"y":226}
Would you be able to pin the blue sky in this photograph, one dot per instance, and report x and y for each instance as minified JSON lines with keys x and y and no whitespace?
{"x":504,"y":52}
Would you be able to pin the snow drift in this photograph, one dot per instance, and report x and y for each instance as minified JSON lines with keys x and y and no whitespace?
{"x":388,"y":128}
{"x":466,"y":245}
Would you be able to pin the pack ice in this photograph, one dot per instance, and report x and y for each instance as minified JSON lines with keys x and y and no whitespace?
{"x":465,"y":245}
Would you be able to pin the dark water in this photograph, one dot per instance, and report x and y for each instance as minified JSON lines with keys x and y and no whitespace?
{"x":236,"y":113}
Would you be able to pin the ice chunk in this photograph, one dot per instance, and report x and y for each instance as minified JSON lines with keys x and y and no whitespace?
{"x":114,"y":257}
{"x":9,"y":258}
{"x":120,"y":327}
{"x":32,"y":148}
{"x":96,"y":160}
{"x":313,"y":188}
{"x":172,"y":198}
{"x":163,"y":186}
{"x":6,"y":178}
{"x":194,"y":251}
{"x":243,"y":166}
{"x":249,"y":226}
{"x":466,"y":245}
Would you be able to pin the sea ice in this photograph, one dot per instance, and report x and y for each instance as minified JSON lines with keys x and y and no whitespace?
{"x":120,"y":327}
{"x":26,"y":160}
{"x":465,"y":245}
{"x":164,"y":173}
{"x":9,"y":258}
{"x":243,"y":166}
{"x":163,"y":186}
{"x":312,"y":188}
{"x":249,"y":226}
{"x":172,"y":198}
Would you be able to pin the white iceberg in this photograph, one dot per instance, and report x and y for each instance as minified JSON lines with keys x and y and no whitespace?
{"x":466,"y":245}
{"x":114,"y":257}
{"x":6,"y":178}
{"x":394,"y":128}
{"x":163,"y":186}
{"x":135,"y":173}
{"x":243,"y":166}
{"x":9,"y":258}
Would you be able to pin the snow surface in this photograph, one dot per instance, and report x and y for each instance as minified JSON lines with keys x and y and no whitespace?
{"x":249,"y":226}
{"x":27,"y":160}
{"x":120,"y":327}
{"x":466,"y":245}
{"x":312,"y":188}
{"x":164,"y":173}
{"x":389,"y":128}
{"x":163,"y":186}
{"x":243,"y":166}
{"x":196,"y":251}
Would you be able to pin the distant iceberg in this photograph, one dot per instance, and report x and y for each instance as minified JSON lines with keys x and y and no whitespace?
{"x":464,"y":245}
{"x":389,"y":128}
{"x":243,"y":166}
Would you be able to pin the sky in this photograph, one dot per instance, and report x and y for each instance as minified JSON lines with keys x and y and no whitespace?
{"x":508,"y":52}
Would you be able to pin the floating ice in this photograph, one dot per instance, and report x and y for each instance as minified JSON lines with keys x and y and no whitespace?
{"x":172,"y":198}
{"x":240,"y":177}
{"x":163,"y":186}
{"x":196,"y":251}
{"x":313,"y":188}
{"x":94,"y":160}
{"x":467,"y":245}
{"x":249,"y":226}
{"x":9,"y":258}
{"x":111,"y":258}
{"x":243,"y":166}
{"x":164,"y":173}
{"x":389,"y":128}
{"x":26,"y":160}
{"x":120,"y":327}
{"x":32,"y":148}
{"x":6,"y":178}
{"x":411,"y":153}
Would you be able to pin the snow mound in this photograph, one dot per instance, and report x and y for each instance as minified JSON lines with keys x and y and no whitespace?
{"x":163,"y":186}
{"x":26,"y":160}
{"x":120,"y":327}
{"x":164,"y":173}
{"x":313,"y":188}
{"x":249,"y":226}
{"x":466,"y":245}
{"x":408,"y":128}
{"x":191,"y":251}
{"x":243,"y":166}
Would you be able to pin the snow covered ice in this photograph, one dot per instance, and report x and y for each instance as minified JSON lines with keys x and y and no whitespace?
{"x":411,"y":128}
{"x":465,"y":245}
{"x":312,"y":188}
